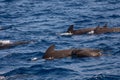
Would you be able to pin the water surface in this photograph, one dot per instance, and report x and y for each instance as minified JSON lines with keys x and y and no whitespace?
{"x":43,"y":20}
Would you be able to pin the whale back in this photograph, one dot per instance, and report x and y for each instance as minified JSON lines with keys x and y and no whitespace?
{"x":21,"y":42}
{"x":116,"y":29}
{"x":103,"y":29}
{"x":8,"y":44}
{"x":51,"y":53}
{"x":79,"y":31}
{"x":87,"y":53}
{"x":106,"y":29}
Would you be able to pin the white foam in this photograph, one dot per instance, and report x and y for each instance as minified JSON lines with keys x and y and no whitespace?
{"x":66,"y":34}
{"x":34,"y":59}
{"x":5,"y":41}
{"x":2,"y":78}
{"x":91,"y":32}
{"x":50,"y":58}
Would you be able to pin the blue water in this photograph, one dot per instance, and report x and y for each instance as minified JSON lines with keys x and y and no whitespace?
{"x":43,"y":20}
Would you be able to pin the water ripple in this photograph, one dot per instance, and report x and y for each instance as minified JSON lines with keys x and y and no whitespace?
{"x":43,"y":21}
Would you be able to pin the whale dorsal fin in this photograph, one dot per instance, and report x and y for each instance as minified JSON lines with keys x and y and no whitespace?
{"x":50,"y":49}
{"x":70,"y":29}
{"x":105,"y":26}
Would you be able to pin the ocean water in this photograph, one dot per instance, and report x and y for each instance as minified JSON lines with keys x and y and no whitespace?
{"x":43,"y":21}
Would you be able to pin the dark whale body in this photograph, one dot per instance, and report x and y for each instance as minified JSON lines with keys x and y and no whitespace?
{"x":106,"y":29}
{"x":79,"y":31}
{"x":87,"y":52}
{"x":51,"y":53}
{"x":95,"y":30}
{"x":10,"y":44}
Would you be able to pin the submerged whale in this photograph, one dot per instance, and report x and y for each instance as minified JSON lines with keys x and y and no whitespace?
{"x":4,"y":28}
{"x":4,"y":44}
{"x":51,"y":53}
{"x":94,"y":30}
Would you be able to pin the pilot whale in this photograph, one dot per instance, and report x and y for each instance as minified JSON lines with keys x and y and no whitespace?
{"x":86,"y":52}
{"x":8,"y":44}
{"x":79,"y":31}
{"x":71,"y":31}
{"x":51,"y":53}
{"x":106,"y":29}
{"x":94,"y":30}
